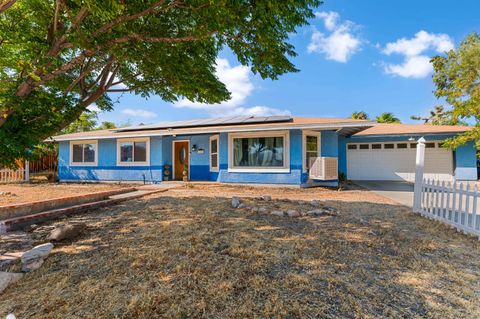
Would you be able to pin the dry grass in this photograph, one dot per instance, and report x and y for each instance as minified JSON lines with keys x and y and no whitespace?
{"x":21,"y":193}
{"x":182,"y":254}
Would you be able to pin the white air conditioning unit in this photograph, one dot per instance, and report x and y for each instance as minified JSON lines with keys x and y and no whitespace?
{"x":323,"y":168}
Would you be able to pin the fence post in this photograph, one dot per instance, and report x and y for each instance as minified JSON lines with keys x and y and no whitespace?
{"x":419,"y":166}
{"x":27,"y":171}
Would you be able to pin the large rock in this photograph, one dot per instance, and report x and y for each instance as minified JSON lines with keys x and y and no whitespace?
{"x":66,"y":232}
{"x":7,"y":278}
{"x":293,"y":213}
{"x":277,"y":213}
{"x":33,"y":258}
{"x":235,"y":201}
{"x":266,"y":198}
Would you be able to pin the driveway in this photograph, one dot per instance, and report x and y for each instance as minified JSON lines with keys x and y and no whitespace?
{"x":401,"y":192}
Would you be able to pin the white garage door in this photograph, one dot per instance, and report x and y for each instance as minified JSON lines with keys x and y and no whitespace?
{"x":396,"y":161}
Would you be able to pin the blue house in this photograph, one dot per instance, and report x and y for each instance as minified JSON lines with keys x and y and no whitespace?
{"x":265,"y":150}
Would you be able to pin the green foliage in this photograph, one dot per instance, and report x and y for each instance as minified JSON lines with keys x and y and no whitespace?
{"x":58,"y":57}
{"x":360,"y":115}
{"x":106,"y":126}
{"x":387,"y":117}
{"x":86,"y":122}
{"x":457,"y":80}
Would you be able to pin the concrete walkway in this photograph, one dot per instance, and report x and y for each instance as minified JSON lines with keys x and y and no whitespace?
{"x":400,"y":192}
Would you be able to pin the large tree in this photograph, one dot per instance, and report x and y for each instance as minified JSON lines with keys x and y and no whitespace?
{"x":360,"y":115}
{"x":457,"y":80}
{"x":59,"y":56}
{"x":387,"y":117}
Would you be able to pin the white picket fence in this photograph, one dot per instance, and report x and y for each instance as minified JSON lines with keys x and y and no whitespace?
{"x":11,"y":176}
{"x":455,"y":204}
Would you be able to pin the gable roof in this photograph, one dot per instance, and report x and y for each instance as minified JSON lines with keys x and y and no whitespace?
{"x":406,"y":129}
{"x":344,"y":126}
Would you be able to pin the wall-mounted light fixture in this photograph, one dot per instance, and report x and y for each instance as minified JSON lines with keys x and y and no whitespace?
{"x":194,"y":148}
{"x":411,"y":139}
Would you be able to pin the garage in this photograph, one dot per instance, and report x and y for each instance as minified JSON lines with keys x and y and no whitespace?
{"x":395,"y":161}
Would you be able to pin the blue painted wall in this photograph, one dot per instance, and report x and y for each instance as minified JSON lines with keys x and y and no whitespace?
{"x":107,"y":169}
{"x":292,"y":177}
{"x":465,"y":155}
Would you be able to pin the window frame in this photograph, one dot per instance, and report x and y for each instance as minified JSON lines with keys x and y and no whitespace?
{"x":305,"y":134}
{"x":81,"y":142}
{"x":257,"y":169}
{"x":133,"y":163}
{"x":210,"y":153}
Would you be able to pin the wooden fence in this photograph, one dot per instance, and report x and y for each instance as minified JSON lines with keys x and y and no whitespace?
{"x":47,"y":163}
{"x":10,"y":175}
{"x":454,"y":204}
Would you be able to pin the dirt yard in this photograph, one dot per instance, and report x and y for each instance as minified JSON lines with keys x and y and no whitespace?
{"x":21,"y":193}
{"x":187,"y":253}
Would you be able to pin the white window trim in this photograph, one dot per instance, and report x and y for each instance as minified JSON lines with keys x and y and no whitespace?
{"x":133,"y":163}
{"x":95,"y":163}
{"x":306,"y":133}
{"x":212,"y":138}
{"x":286,"y":152}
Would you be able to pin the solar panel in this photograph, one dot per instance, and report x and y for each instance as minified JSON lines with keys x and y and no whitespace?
{"x":209,"y":122}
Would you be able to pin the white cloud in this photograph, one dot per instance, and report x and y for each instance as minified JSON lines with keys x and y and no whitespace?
{"x":93,"y":108}
{"x":138,"y":113}
{"x":238,"y":81}
{"x":416,"y":63}
{"x":342,"y":42}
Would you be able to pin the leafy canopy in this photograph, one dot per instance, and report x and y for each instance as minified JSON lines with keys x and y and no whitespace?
{"x":457,"y":80}
{"x":59,"y":56}
{"x":360,"y":115}
{"x":387,"y":117}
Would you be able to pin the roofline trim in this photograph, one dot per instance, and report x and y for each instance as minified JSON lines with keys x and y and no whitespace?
{"x":335,"y":126}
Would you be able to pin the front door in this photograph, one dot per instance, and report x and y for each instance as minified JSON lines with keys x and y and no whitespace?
{"x":180,"y":158}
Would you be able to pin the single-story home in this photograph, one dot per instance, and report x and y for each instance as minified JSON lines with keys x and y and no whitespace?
{"x":266,"y":150}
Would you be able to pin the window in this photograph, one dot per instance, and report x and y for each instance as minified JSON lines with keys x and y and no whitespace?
{"x":430,"y":145}
{"x":402,"y":145}
{"x":413,"y":145}
{"x":388,"y":146}
{"x":133,"y":151}
{"x":352,"y":147}
{"x":83,"y":153}
{"x":364,"y":146}
{"x":376,"y":146}
{"x":214,"y":153}
{"x":264,"y":152}
{"x":311,"y":147}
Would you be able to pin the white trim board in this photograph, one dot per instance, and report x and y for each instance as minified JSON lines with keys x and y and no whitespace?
{"x":217,"y":138}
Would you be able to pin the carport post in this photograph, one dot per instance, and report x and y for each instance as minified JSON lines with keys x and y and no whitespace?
{"x":419,"y":166}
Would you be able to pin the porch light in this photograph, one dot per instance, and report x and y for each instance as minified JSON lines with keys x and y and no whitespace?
{"x":194,"y":148}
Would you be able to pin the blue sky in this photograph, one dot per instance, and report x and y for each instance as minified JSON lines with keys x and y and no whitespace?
{"x":355,"y":55}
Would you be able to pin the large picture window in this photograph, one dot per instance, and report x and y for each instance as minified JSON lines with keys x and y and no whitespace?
{"x":133,"y":151}
{"x":259,"y":152}
{"x":83,"y":153}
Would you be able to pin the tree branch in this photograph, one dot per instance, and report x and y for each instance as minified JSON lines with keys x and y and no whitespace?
{"x":139,"y":37}
{"x":5,"y":4}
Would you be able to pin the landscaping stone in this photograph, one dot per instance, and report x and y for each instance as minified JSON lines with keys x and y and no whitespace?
{"x":242,"y":205}
{"x":277,"y":213}
{"x":255,"y":210}
{"x":235,"y":201}
{"x":66,"y":232}
{"x":266,"y":198}
{"x":293,"y":213}
{"x":262,"y":210}
{"x":315,"y":203}
{"x":33,"y":259}
{"x":315,"y":212}
{"x":7,"y":278}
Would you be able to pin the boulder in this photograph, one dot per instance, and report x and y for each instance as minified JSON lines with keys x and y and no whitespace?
{"x":266,"y":198}
{"x":277,"y":213}
{"x":293,"y":213}
{"x":33,"y":258}
{"x":66,"y":232}
{"x":235,"y":201}
{"x":7,"y":278}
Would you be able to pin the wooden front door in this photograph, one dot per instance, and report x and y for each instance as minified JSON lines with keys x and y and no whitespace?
{"x":180,"y":158}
